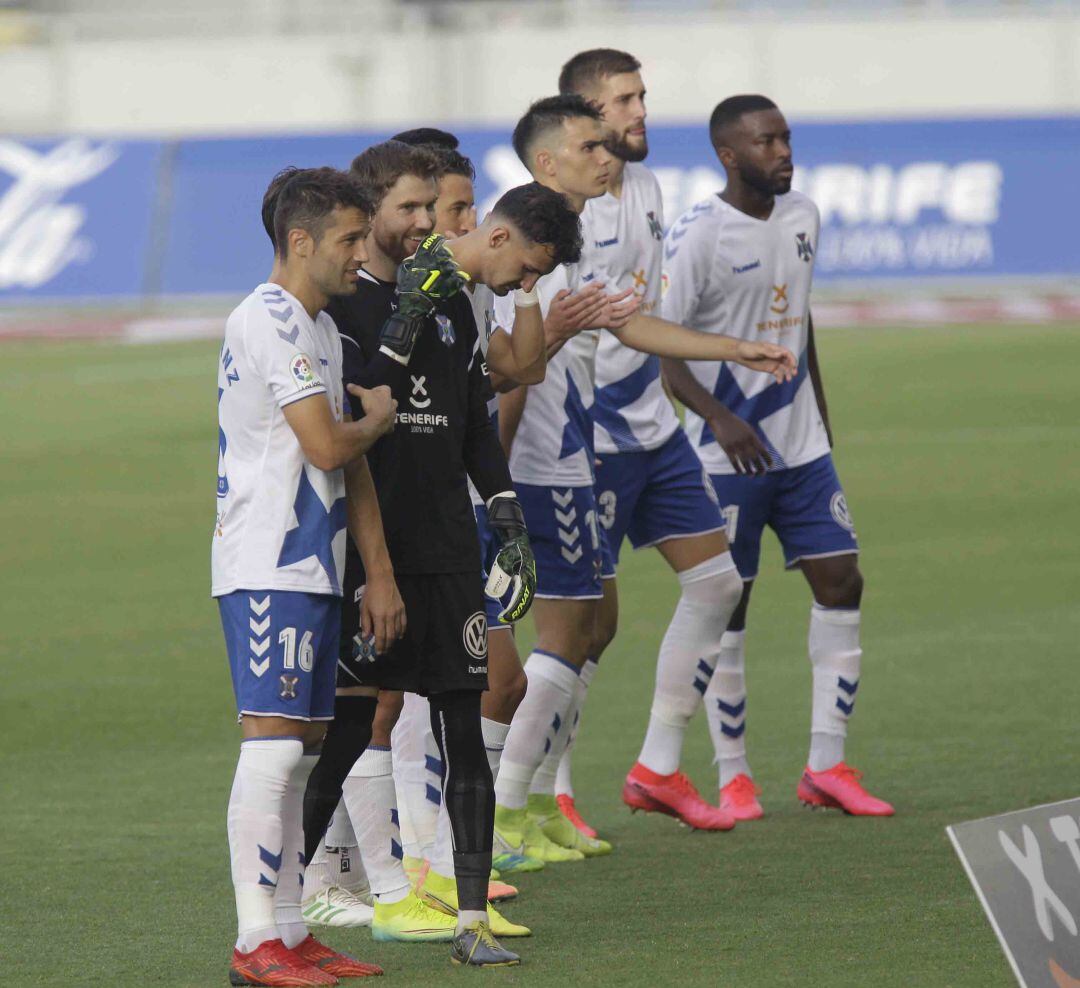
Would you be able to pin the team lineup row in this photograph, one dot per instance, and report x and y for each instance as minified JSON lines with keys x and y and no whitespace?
{"x":429,"y":427}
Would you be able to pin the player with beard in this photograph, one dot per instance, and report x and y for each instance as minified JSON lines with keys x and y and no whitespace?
{"x":417,"y":766}
{"x":650,"y":484}
{"x":288,"y":450}
{"x":549,"y":429}
{"x":742,"y":262}
{"x":431,"y":360}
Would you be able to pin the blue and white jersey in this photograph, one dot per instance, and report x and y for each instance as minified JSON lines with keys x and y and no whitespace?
{"x":730,"y":273}
{"x":553,"y":445}
{"x":624,"y":247}
{"x":280,"y":520}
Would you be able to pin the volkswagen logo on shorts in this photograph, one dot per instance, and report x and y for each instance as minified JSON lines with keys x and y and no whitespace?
{"x":474,"y":635}
{"x":838,"y":507}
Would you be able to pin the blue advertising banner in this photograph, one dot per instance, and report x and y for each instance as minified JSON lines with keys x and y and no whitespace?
{"x":899,"y":200}
{"x":76,"y":216}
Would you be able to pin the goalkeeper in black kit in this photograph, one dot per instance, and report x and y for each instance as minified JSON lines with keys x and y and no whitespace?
{"x":410,"y":326}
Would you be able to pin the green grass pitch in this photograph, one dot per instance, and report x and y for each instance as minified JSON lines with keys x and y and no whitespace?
{"x":958,"y":450}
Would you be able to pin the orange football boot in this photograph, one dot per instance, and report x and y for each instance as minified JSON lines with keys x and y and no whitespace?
{"x":674,"y":795}
{"x":339,"y":965}
{"x":839,"y":787}
{"x":740,"y":798}
{"x":569,"y":810}
{"x":273,"y":964}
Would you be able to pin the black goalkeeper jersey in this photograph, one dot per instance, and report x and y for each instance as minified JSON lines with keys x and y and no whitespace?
{"x":443,"y":430}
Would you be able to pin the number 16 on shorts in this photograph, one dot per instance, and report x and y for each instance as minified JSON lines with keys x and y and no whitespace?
{"x":282,"y":648}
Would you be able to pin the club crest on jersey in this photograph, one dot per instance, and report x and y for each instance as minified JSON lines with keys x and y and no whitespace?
{"x":288,"y":687}
{"x":655,"y":228}
{"x":446,"y":330}
{"x":302,"y":371}
{"x":804,"y":247}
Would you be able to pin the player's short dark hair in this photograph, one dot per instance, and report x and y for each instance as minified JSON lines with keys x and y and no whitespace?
{"x":587,"y":68}
{"x":381,"y":165}
{"x":444,"y":146}
{"x":428,"y":137}
{"x":270,"y":198}
{"x":307,"y":198}
{"x":543,"y":216}
{"x":728,"y":112}
{"x":544,"y":114}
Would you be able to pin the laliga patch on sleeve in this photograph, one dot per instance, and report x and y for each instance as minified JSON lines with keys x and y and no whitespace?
{"x":303,"y":373}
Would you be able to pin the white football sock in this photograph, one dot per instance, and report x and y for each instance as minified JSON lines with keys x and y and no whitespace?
{"x":369,"y":796}
{"x":836,"y":658}
{"x":337,"y":861}
{"x":442,"y":852}
{"x":563,"y":776}
{"x":725,"y":707}
{"x":256,"y":845}
{"x":290,"y":888}
{"x":710,"y":592}
{"x":417,"y":776}
{"x":494,"y":742}
{"x":537,"y":725}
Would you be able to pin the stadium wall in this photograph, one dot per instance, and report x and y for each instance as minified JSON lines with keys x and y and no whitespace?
{"x":868,"y":64}
{"x":902,"y":202}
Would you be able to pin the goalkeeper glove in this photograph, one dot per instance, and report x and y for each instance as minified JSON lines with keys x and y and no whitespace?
{"x":514,"y":565}
{"x":424,"y":279}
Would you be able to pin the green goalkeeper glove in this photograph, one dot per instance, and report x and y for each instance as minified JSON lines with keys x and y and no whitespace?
{"x":424,"y":279}
{"x":514,"y":566}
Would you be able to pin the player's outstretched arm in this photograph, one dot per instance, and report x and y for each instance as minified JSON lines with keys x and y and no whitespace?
{"x":668,"y":339}
{"x":519,"y":357}
{"x":329,"y":444}
{"x":382,"y":612}
{"x":737,"y":438}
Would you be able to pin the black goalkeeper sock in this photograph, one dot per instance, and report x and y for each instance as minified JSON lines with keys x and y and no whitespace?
{"x":347,"y":737}
{"x":468,"y":791}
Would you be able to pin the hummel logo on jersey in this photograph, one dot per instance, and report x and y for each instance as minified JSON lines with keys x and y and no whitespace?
{"x":654,"y":226}
{"x":446,"y":329}
{"x":804,"y":247}
{"x":607,"y":243}
{"x":742,"y":269}
{"x":419,"y":387}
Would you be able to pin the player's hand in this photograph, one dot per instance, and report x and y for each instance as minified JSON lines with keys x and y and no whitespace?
{"x":428,"y":276}
{"x":571,"y":312}
{"x":382,"y":612}
{"x":379,"y":406}
{"x":514,"y":568}
{"x":769,"y":358}
{"x":740,"y":441}
{"x":618,"y":309}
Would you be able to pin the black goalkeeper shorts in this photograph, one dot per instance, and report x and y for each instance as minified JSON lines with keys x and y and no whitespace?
{"x":445,"y":642}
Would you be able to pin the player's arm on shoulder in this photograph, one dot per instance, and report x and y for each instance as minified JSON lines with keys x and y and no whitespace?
{"x":382,"y":612}
{"x":814,"y":370}
{"x":329,"y":444}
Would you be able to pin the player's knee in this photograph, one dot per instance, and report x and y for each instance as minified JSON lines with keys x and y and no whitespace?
{"x":844,"y":590}
{"x":386,"y":716}
{"x":513,"y":692}
{"x":603,"y":634}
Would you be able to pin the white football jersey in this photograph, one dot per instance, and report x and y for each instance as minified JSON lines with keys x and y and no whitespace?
{"x":624,"y":247}
{"x":730,"y":273}
{"x":553,"y":443}
{"x":280,"y":520}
